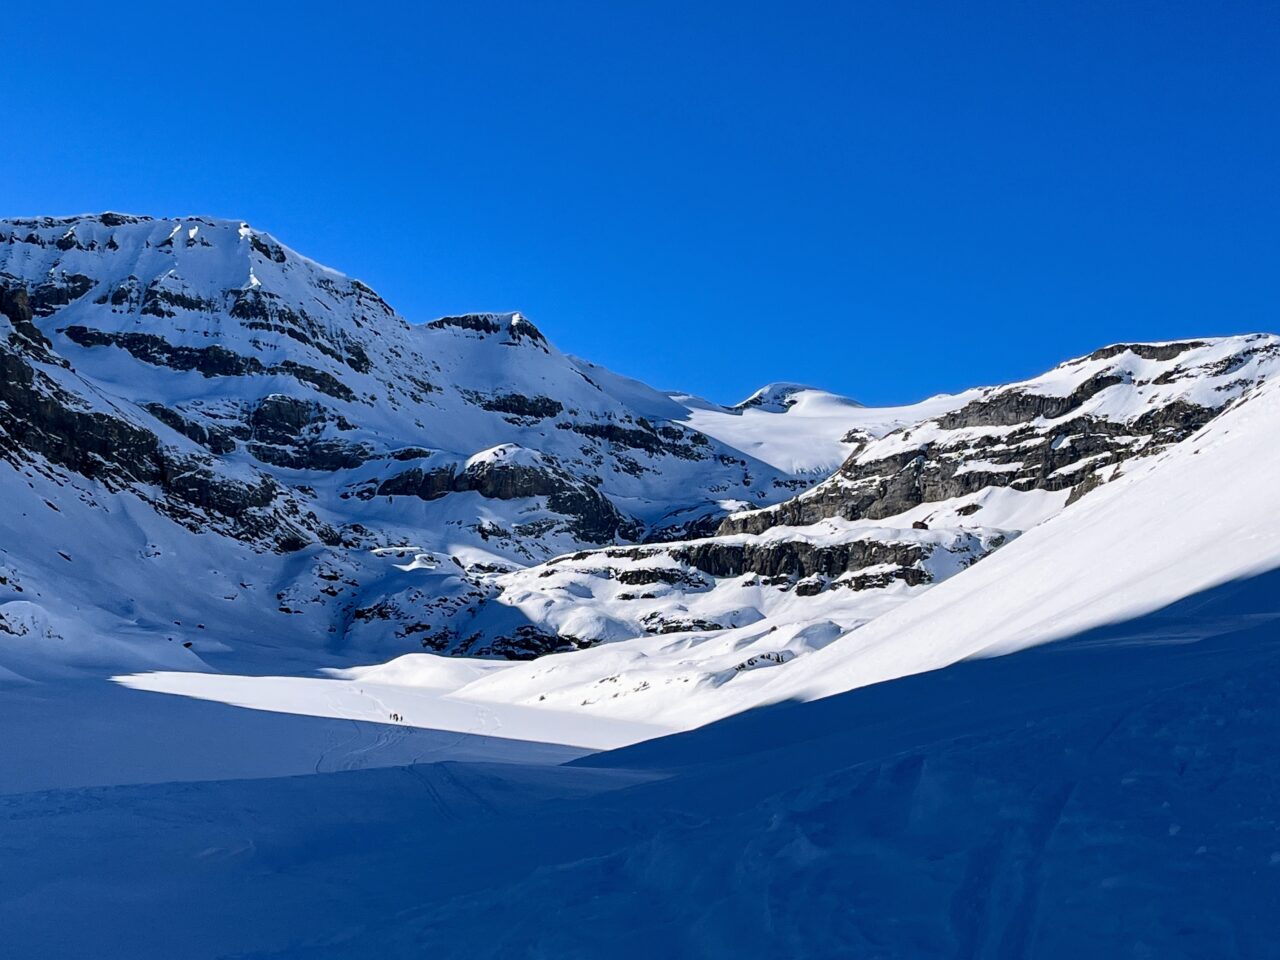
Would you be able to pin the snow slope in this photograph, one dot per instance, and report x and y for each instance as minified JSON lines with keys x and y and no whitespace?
{"x":911,"y":506}
{"x":1097,"y":797}
{"x":64,"y":735}
{"x":1203,"y":513}
{"x":795,"y":428}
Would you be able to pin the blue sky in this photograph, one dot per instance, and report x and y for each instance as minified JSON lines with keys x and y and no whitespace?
{"x":887,"y":199}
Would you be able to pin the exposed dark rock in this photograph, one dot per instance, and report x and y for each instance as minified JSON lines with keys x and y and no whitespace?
{"x":670,"y":529}
{"x":516,"y":405}
{"x":120,"y":219}
{"x":215,"y":439}
{"x":45,"y":298}
{"x":211,"y":361}
{"x":37,"y":418}
{"x":262,"y":310}
{"x":1010,"y":407}
{"x":500,"y":480}
{"x":326,"y":455}
{"x":797,"y":559}
{"x":15,"y":305}
{"x":1147,"y":351}
{"x":416,"y":482}
{"x":526,"y":642}
{"x":1027,"y":458}
{"x":592,"y":516}
{"x":160,"y":302}
{"x":279,"y":418}
{"x":324,"y":382}
{"x":1089,"y":483}
{"x":286,"y":432}
{"x":271,"y":251}
{"x":659,"y":624}
{"x":772,"y":656}
{"x":778,"y":562}
{"x":687,"y":445}
{"x":127,"y":294}
{"x":642,"y":576}
{"x":516,"y":327}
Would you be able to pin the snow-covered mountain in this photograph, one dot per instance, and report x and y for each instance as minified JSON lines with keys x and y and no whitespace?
{"x":202,"y":379}
{"x":744,"y":664}
{"x":1109,"y":792}
{"x":221,"y":453}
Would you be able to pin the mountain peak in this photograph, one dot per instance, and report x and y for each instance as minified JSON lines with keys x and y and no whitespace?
{"x":513,"y":326}
{"x":781,"y":396}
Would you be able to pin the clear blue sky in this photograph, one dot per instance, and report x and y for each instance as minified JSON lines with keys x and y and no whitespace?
{"x":886,"y":199}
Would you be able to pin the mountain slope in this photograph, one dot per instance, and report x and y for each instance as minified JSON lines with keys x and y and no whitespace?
{"x":241,"y":391}
{"x":210,"y":318}
{"x":1200,"y":514}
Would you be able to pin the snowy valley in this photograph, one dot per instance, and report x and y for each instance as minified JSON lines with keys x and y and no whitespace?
{"x":267,"y":545}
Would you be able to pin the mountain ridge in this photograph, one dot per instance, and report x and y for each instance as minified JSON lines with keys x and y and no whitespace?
{"x":361,"y":487}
